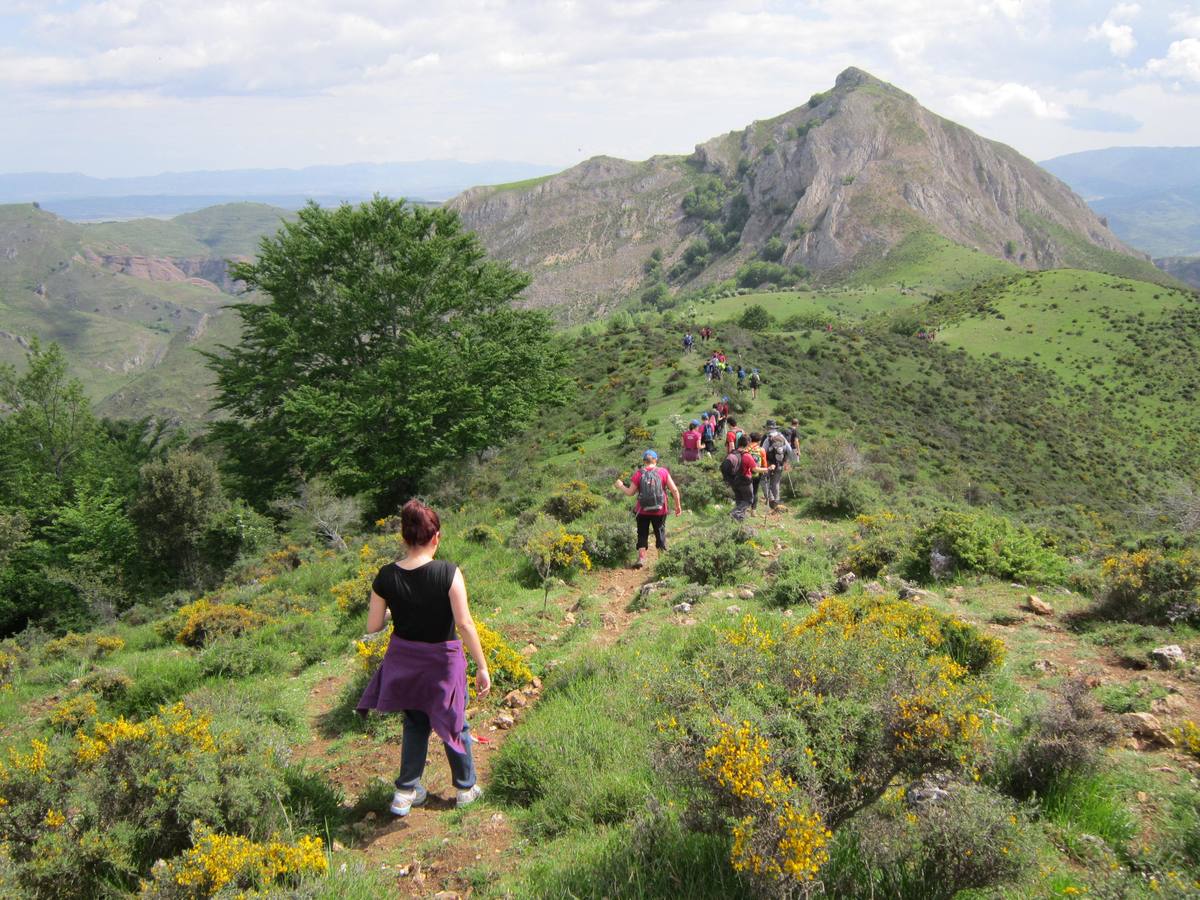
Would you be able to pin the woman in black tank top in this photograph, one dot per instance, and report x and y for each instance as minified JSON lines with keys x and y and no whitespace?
{"x":423,"y":672}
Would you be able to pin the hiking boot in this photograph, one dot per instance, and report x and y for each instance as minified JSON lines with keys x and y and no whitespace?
{"x":404,"y":801}
{"x":638,"y":564}
{"x":467,"y":797}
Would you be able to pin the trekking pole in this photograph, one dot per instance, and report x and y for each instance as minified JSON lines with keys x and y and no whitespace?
{"x":791,"y":487}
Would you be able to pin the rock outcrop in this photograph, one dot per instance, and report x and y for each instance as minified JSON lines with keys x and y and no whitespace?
{"x":840,"y":181}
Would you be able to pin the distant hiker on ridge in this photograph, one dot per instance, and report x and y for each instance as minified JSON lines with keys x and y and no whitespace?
{"x":424,"y":674}
{"x":651,"y":483}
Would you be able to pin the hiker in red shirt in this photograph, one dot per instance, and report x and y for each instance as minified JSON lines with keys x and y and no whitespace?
{"x":731,"y":437}
{"x":651,"y":483}
{"x":692,"y":439}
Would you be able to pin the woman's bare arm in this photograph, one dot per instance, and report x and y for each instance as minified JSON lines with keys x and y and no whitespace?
{"x":466,"y":630}
{"x":376,"y":613}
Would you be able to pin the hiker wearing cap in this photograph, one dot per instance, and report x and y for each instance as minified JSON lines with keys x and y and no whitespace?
{"x":738,"y":469}
{"x":781,"y":454}
{"x":691,"y":442}
{"x":756,"y":382}
{"x":424,"y":673}
{"x":651,"y":483}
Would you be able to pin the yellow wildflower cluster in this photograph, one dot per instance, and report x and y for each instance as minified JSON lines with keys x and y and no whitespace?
{"x":750,"y":634}
{"x":54,"y":819}
{"x":506,"y":666}
{"x":89,"y":645}
{"x":217,"y":861}
{"x":175,"y":729}
{"x":738,"y":761}
{"x":802,"y":845}
{"x":74,"y":712}
{"x":353,"y":593}
{"x":199,"y":622}
{"x":370,"y":652}
{"x":1187,"y":736}
{"x":31,"y":763}
{"x":1129,"y":571}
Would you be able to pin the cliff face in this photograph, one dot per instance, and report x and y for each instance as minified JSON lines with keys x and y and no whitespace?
{"x":840,"y":181}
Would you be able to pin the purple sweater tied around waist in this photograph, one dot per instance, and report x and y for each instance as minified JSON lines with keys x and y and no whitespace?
{"x":429,"y":677}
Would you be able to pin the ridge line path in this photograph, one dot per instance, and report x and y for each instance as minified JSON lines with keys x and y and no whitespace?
{"x":436,"y":851}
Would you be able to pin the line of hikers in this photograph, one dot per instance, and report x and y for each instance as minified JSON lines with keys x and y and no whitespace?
{"x":689,"y":342}
{"x":718,"y":367}
{"x":754,"y":466}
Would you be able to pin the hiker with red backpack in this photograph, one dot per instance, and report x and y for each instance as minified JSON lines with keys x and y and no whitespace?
{"x":691,"y":441}
{"x":738,"y":469}
{"x":651,"y":483}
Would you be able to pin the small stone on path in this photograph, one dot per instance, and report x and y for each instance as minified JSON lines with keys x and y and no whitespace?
{"x":1037,"y":605}
{"x":1169,"y":656}
{"x":515,"y":700}
{"x":684,"y":607}
{"x":504,"y":720}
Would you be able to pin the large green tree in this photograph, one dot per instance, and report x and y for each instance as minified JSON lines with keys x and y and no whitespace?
{"x":388,"y":345}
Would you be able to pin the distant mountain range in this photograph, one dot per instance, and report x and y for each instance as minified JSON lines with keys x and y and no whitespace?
{"x":1150,"y":195}
{"x":84,"y":198}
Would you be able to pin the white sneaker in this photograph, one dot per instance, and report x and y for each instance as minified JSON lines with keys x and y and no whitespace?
{"x":404,"y":801}
{"x":469,"y":796}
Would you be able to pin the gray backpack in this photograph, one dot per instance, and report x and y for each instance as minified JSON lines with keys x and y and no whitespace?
{"x":651,"y":496}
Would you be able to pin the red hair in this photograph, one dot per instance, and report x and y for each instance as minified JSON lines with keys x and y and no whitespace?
{"x":418,"y":523}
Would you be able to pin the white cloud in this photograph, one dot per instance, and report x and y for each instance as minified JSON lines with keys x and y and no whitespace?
{"x":989,"y":102}
{"x":1121,"y":41}
{"x":1182,"y":61}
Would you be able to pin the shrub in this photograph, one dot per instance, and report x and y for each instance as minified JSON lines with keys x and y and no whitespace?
{"x":987,"y":544}
{"x":109,"y":684}
{"x":882,"y":541}
{"x":1153,"y":586}
{"x":1187,"y":736}
{"x":508,"y":668}
{"x":713,"y":556}
{"x":609,"y":536}
{"x":571,"y":501}
{"x":221,"y":862}
{"x":157,"y":680}
{"x":814,"y":721}
{"x":832,"y":467}
{"x":799,"y":578}
{"x":755,"y":318}
{"x":74,"y":713}
{"x":700,"y":485}
{"x":82,"y":646}
{"x":1063,"y":739}
{"x":243,"y":656}
{"x":636,"y":436}
{"x":482,"y":533}
{"x":556,"y":552}
{"x":198,"y":623}
{"x":972,"y":838}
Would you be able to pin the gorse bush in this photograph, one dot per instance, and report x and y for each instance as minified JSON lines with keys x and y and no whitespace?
{"x":94,"y":811}
{"x":571,"y":501}
{"x":832,"y":467}
{"x":790,"y":731}
{"x":882,"y":541}
{"x":198,"y":623}
{"x":217,"y":863}
{"x":713,"y":556}
{"x":1153,"y":586}
{"x":986,"y":544}
{"x":82,"y":646}
{"x":609,"y":537}
{"x":700,"y":485}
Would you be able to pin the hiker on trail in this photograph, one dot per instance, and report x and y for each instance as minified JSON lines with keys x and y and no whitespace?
{"x":738,"y":469}
{"x":731,"y":438}
{"x":780,"y":454}
{"x":687,"y":342}
{"x":424,"y":673}
{"x":651,"y":483}
{"x":755,"y":383}
{"x":722,"y":410}
{"x":793,"y":435}
{"x":692,"y":439}
{"x":741,"y":373}
{"x":756,"y":450}
{"x":708,"y":431}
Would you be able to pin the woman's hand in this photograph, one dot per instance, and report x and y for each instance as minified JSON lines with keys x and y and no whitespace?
{"x":483,"y":682}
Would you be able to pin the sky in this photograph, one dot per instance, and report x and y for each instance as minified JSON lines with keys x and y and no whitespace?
{"x":138,"y":87}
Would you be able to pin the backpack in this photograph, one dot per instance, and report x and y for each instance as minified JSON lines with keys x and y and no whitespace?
{"x":755,"y":379}
{"x":731,"y":467}
{"x":651,"y":496}
{"x":777,"y":448}
{"x":708,"y":432}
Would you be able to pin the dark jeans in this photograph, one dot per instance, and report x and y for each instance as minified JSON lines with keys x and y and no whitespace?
{"x":414,"y":747}
{"x":743,"y":499}
{"x":659,"y":524}
{"x":754,"y":491}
